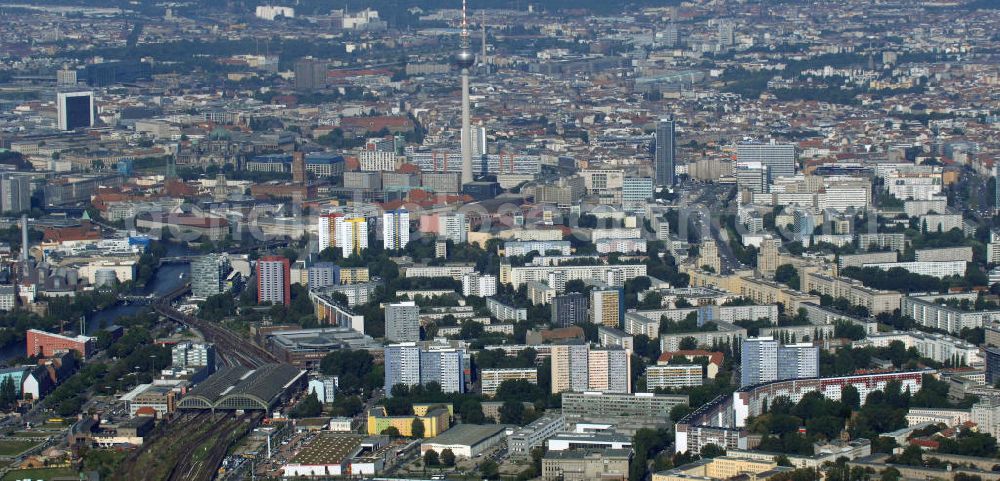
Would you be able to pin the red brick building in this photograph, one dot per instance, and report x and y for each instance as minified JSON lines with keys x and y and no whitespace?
{"x":46,"y":344}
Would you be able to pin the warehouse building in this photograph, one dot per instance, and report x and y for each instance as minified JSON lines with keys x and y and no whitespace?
{"x":466,"y":440}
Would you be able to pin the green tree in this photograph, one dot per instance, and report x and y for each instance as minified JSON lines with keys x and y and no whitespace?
{"x":417,"y":428}
{"x":688,"y":343}
{"x":308,"y":407}
{"x":8,"y":393}
{"x":711,"y":450}
{"x":489,"y":469}
{"x":512,"y":412}
{"x":390,"y":431}
{"x":431,"y":458}
{"x":890,"y":474}
{"x":448,"y":457}
{"x":472,"y":412}
{"x":850,"y":397}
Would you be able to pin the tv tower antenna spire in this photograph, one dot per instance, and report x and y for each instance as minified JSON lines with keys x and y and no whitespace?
{"x":465,"y":59}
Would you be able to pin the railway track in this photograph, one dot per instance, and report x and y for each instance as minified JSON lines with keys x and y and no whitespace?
{"x":232,"y":349}
{"x":203,"y":466}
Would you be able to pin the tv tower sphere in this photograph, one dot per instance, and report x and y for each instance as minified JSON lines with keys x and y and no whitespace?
{"x":464,"y":58}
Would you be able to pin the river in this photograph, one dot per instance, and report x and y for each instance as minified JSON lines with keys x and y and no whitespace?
{"x":167,"y":278}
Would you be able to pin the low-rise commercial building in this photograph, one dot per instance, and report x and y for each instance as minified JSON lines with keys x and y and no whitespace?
{"x":466,"y":440}
{"x":722,"y":467}
{"x":586,"y":465}
{"x":436,"y":419}
{"x":627,"y":412}
{"x":534,"y":434}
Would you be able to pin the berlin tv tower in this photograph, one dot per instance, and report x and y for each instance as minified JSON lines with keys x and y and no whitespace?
{"x":465,"y":59}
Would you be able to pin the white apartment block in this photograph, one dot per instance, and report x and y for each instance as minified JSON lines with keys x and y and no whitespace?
{"x":506,"y":312}
{"x":916,"y":208}
{"x":624,"y":246}
{"x":933,"y":269}
{"x":842,"y":198}
{"x":941,"y":222}
{"x":915,"y":188}
{"x":518,"y":276}
{"x":539,"y":293}
{"x":928,"y":312}
{"x":986,"y":415}
{"x":452,"y":227}
{"x":945,"y":254}
{"x":542,"y":247}
{"x":352,"y":235}
{"x":480,"y":285}
{"x":377,"y":160}
{"x":672,"y":376}
{"x":939,"y":347}
{"x":950,"y":417}
{"x":993,"y":248}
{"x":490,"y":379}
{"x":395,"y":229}
{"x":640,"y":325}
{"x":455,"y":271}
{"x":611,"y":337}
{"x":615,"y":233}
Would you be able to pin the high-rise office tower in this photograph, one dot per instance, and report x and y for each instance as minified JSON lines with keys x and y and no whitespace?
{"x":569,"y":309}
{"x":570,"y":367}
{"x":666,"y":151}
{"x":452,"y":227}
{"x":778,"y":158}
{"x":402,"y":322}
{"x":76,"y":110}
{"x":764,"y":359}
{"x":609,"y":370}
{"x":208,"y":275}
{"x":607,"y":307}
{"x":352,"y":235}
{"x":465,"y":59}
{"x":326,"y":229}
{"x":992,"y":356}
{"x":274,"y":280}
{"x":15,"y":192}
{"x":395,"y":229}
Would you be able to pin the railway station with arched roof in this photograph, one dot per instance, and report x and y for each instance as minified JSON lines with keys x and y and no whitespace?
{"x":241,"y":388}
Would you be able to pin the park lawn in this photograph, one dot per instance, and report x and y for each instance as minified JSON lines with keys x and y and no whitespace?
{"x":39,"y":473}
{"x":13,"y":448}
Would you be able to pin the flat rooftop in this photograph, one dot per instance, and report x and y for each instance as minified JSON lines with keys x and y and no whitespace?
{"x":329,"y":449}
{"x":467,"y":434}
